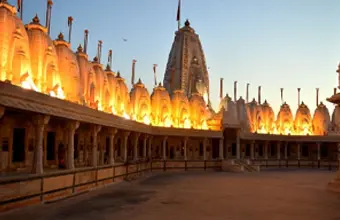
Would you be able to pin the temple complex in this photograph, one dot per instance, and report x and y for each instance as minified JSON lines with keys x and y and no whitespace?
{"x":61,"y":111}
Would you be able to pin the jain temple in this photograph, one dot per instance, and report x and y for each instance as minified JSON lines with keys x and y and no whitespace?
{"x":68,"y":122}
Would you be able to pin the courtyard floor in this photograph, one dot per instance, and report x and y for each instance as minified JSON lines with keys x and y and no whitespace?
{"x":271,"y":194}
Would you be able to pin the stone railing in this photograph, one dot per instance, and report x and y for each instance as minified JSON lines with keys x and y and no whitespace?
{"x":27,"y":190}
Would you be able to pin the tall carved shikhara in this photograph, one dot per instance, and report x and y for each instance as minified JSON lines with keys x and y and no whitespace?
{"x":180,"y":72}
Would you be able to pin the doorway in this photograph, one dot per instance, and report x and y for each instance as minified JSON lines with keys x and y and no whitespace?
{"x":18,"y":153}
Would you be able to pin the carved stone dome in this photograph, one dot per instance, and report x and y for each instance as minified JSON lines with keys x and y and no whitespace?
{"x":180,"y":110}
{"x":68,"y":70}
{"x":160,"y":107}
{"x":284,"y":122}
{"x":321,"y":120}
{"x":140,"y":103}
{"x":268,"y":117}
{"x":15,"y":57}
{"x":303,"y":120}
{"x":44,"y":59}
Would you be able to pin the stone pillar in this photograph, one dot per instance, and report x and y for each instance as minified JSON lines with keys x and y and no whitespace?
{"x":112,"y":133}
{"x":286,"y":150}
{"x":150,"y":147}
{"x":164,"y":147}
{"x":252,"y":150}
{"x":278,"y":150}
{"x":144,"y":145}
{"x":71,"y":128}
{"x":135,"y":145}
{"x":298,"y":151}
{"x":125,"y":142}
{"x":221,"y":147}
{"x":2,"y":113}
{"x":95,"y":130}
{"x":266,"y":150}
{"x":205,"y":148}
{"x":238,"y":150}
{"x":185,"y":148}
{"x":318,"y":151}
{"x":40,"y":122}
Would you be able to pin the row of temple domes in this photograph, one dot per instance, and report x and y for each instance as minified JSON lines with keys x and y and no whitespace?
{"x":34,"y":61}
{"x":260,"y":118}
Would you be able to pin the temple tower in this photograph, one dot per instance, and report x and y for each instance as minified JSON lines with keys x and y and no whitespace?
{"x":186,"y":68}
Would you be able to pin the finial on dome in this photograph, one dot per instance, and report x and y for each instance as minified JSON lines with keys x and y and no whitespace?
{"x":139,"y":81}
{"x":60,"y":37}
{"x":95,"y":59}
{"x":118,"y":74}
{"x":108,"y":68}
{"x":36,"y":19}
{"x":159,"y":84}
{"x":187,"y":23}
{"x":80,"y":49}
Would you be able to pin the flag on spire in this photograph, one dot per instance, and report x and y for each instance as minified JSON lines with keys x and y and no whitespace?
{"x":179,"y":14}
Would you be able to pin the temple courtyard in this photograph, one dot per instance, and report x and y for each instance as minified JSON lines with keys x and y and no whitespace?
{"x":270,"y":194}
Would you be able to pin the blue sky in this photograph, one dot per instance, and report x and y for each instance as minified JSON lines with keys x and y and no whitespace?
{"x":287,"y":43}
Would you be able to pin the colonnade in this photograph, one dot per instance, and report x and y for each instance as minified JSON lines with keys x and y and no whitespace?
{"x":99,"y":144}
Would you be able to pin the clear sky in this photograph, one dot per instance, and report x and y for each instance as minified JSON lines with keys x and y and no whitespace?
{"x":272,"y":43}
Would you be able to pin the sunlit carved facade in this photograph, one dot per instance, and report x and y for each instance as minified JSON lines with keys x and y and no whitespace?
{"x":29,"y":58}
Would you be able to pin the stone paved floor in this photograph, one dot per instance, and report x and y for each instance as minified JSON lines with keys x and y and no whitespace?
{"x":272,"y":195}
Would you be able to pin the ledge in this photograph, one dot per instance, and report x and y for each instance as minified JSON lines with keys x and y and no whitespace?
{"x":290,"y":138}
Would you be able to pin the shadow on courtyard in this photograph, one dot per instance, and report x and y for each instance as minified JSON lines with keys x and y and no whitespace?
{"x":270,"y":194}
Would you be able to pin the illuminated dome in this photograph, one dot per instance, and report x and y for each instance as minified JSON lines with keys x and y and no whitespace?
{"x":84,"y":69}
{"x":14,"y":51}
{"x":321,"y":120}
{"x":303,"y":121}
{"x":122,"y":97}
{"x":268,"y":118}
{"x":230,"y":115}
{"x":112,"y":82}
{"x":102,"y":94}
{"x":140,"y":103}
{"x":242,"y":114}
{"x":284,"y":122}
{"x":336,"y":119}
{"x":161,"y":107}
{"x":224,"y":102}
{"x":68,"y":69}
{"x":180,"y":110}
{"x":44,"y":59}
{"x":198,"y":111}
{"x":254,"y":113}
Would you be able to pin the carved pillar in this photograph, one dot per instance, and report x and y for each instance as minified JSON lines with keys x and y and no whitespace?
{"x":125,"y":142}
{"x":205,"y":148}
{"x":252,"y":149}
{"x":144,"y":145}
{"x":318,"y":151}
{"x":150,"y":147}
{"x":278,"y":150}
{"x":71,"y":127}
{"x":266,"y":150}
{"x":298,"y":151}
{"x":164,"y":147}
{"x":40,"y":122}
{"x":286,"y":150}
{"x":112,"y":133}
{"x":135,"y":145}
{"x":238,"y":144}
{"x":95,"y":130}
{"x":185,"y":148}
{"x":221,"y":147}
